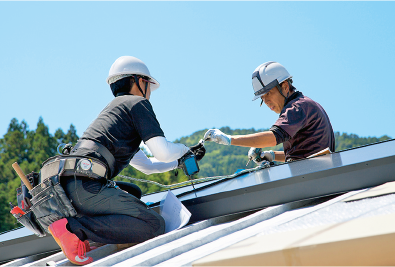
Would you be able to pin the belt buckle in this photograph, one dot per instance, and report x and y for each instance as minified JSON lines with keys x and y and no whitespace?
{"x":84,"y":166}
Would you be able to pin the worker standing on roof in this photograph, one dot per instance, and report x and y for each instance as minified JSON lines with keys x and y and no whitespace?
{"x":106,"y":213}
{"x":303,"y":127}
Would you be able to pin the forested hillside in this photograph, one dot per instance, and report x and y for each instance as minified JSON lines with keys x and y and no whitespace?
{"x":31,"y":147}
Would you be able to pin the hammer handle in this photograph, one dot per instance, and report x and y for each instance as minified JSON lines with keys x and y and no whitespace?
{"x":21,"y":175}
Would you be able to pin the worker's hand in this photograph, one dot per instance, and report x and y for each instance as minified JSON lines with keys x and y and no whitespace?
{"x":268,"y":155}
{"x":217,"y":136}
{"x":199,"y":150}
{"x":256,"y":155}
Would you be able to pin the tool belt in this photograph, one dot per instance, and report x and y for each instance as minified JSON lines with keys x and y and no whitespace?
{"x":49,"y":202}
{"x":69,"y":165}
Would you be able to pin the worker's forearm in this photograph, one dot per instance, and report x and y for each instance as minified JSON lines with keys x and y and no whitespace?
{"x":261,"y":140}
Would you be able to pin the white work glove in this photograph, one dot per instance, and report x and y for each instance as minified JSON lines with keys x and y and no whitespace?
{"x":217,"y":136}
{"x":268,"y":155}
{"x":256,"y":155}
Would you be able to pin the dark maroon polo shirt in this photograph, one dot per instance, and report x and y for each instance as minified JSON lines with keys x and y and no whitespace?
{"x":306,"y":128}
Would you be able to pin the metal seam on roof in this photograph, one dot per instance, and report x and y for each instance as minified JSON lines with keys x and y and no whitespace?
{"x":27,"y":260}
{"x":42,"y":262}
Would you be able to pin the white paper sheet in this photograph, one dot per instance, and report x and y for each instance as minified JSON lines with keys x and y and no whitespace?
{"x":173,"y":212}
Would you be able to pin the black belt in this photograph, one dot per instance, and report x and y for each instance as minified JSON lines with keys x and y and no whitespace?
{"x":99,"y":148}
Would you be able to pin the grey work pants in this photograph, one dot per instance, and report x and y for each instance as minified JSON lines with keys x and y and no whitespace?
{"x":108,"y":215}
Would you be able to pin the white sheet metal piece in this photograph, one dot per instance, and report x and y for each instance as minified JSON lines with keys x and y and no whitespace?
{"x":340,"y":212}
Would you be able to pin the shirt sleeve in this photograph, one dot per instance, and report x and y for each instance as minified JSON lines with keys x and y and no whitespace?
{"x":145,"y":121}
{"x":281,"y":135}
{"x":292,"y":120}
{"x":151,"y":165}
{"x":164,"y":150}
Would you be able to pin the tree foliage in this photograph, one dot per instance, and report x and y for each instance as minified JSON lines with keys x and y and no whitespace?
{"x":32,"y":147}
{"x":346,"y":141}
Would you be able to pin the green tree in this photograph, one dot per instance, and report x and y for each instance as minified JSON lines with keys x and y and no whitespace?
{"x":13,"y":148}
{"x":42,"y":146}
{"x":70,"y":137}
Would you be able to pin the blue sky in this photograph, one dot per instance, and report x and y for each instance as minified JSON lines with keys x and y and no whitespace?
{"x":55,"y":58}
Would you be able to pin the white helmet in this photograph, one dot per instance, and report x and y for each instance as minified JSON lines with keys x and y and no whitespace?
{"x":127,"y":66}
{"x":267,"y":76}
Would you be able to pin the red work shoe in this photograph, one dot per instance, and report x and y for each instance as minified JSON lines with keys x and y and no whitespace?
{"x":88,"y":246}
{"x":72,"y":247}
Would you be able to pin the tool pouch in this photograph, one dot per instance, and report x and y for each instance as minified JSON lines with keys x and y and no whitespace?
{"x":30,"y":222}
{"x":50,"y":203}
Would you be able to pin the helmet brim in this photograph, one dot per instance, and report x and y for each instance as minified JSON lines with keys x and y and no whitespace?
{"x":152,"y":86}
{"x":265,"y":90}
{"x":258,"y":96}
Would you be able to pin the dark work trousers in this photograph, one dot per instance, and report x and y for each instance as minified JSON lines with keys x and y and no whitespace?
{"x":109,"y":215}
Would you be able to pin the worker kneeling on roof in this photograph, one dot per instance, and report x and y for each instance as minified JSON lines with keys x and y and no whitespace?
{"x":106,"y":213}
{"x":303,"y":127}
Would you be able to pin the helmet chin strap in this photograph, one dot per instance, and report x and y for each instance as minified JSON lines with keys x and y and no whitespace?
{"x":136,"y":79}
{"x":280,"y":90}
